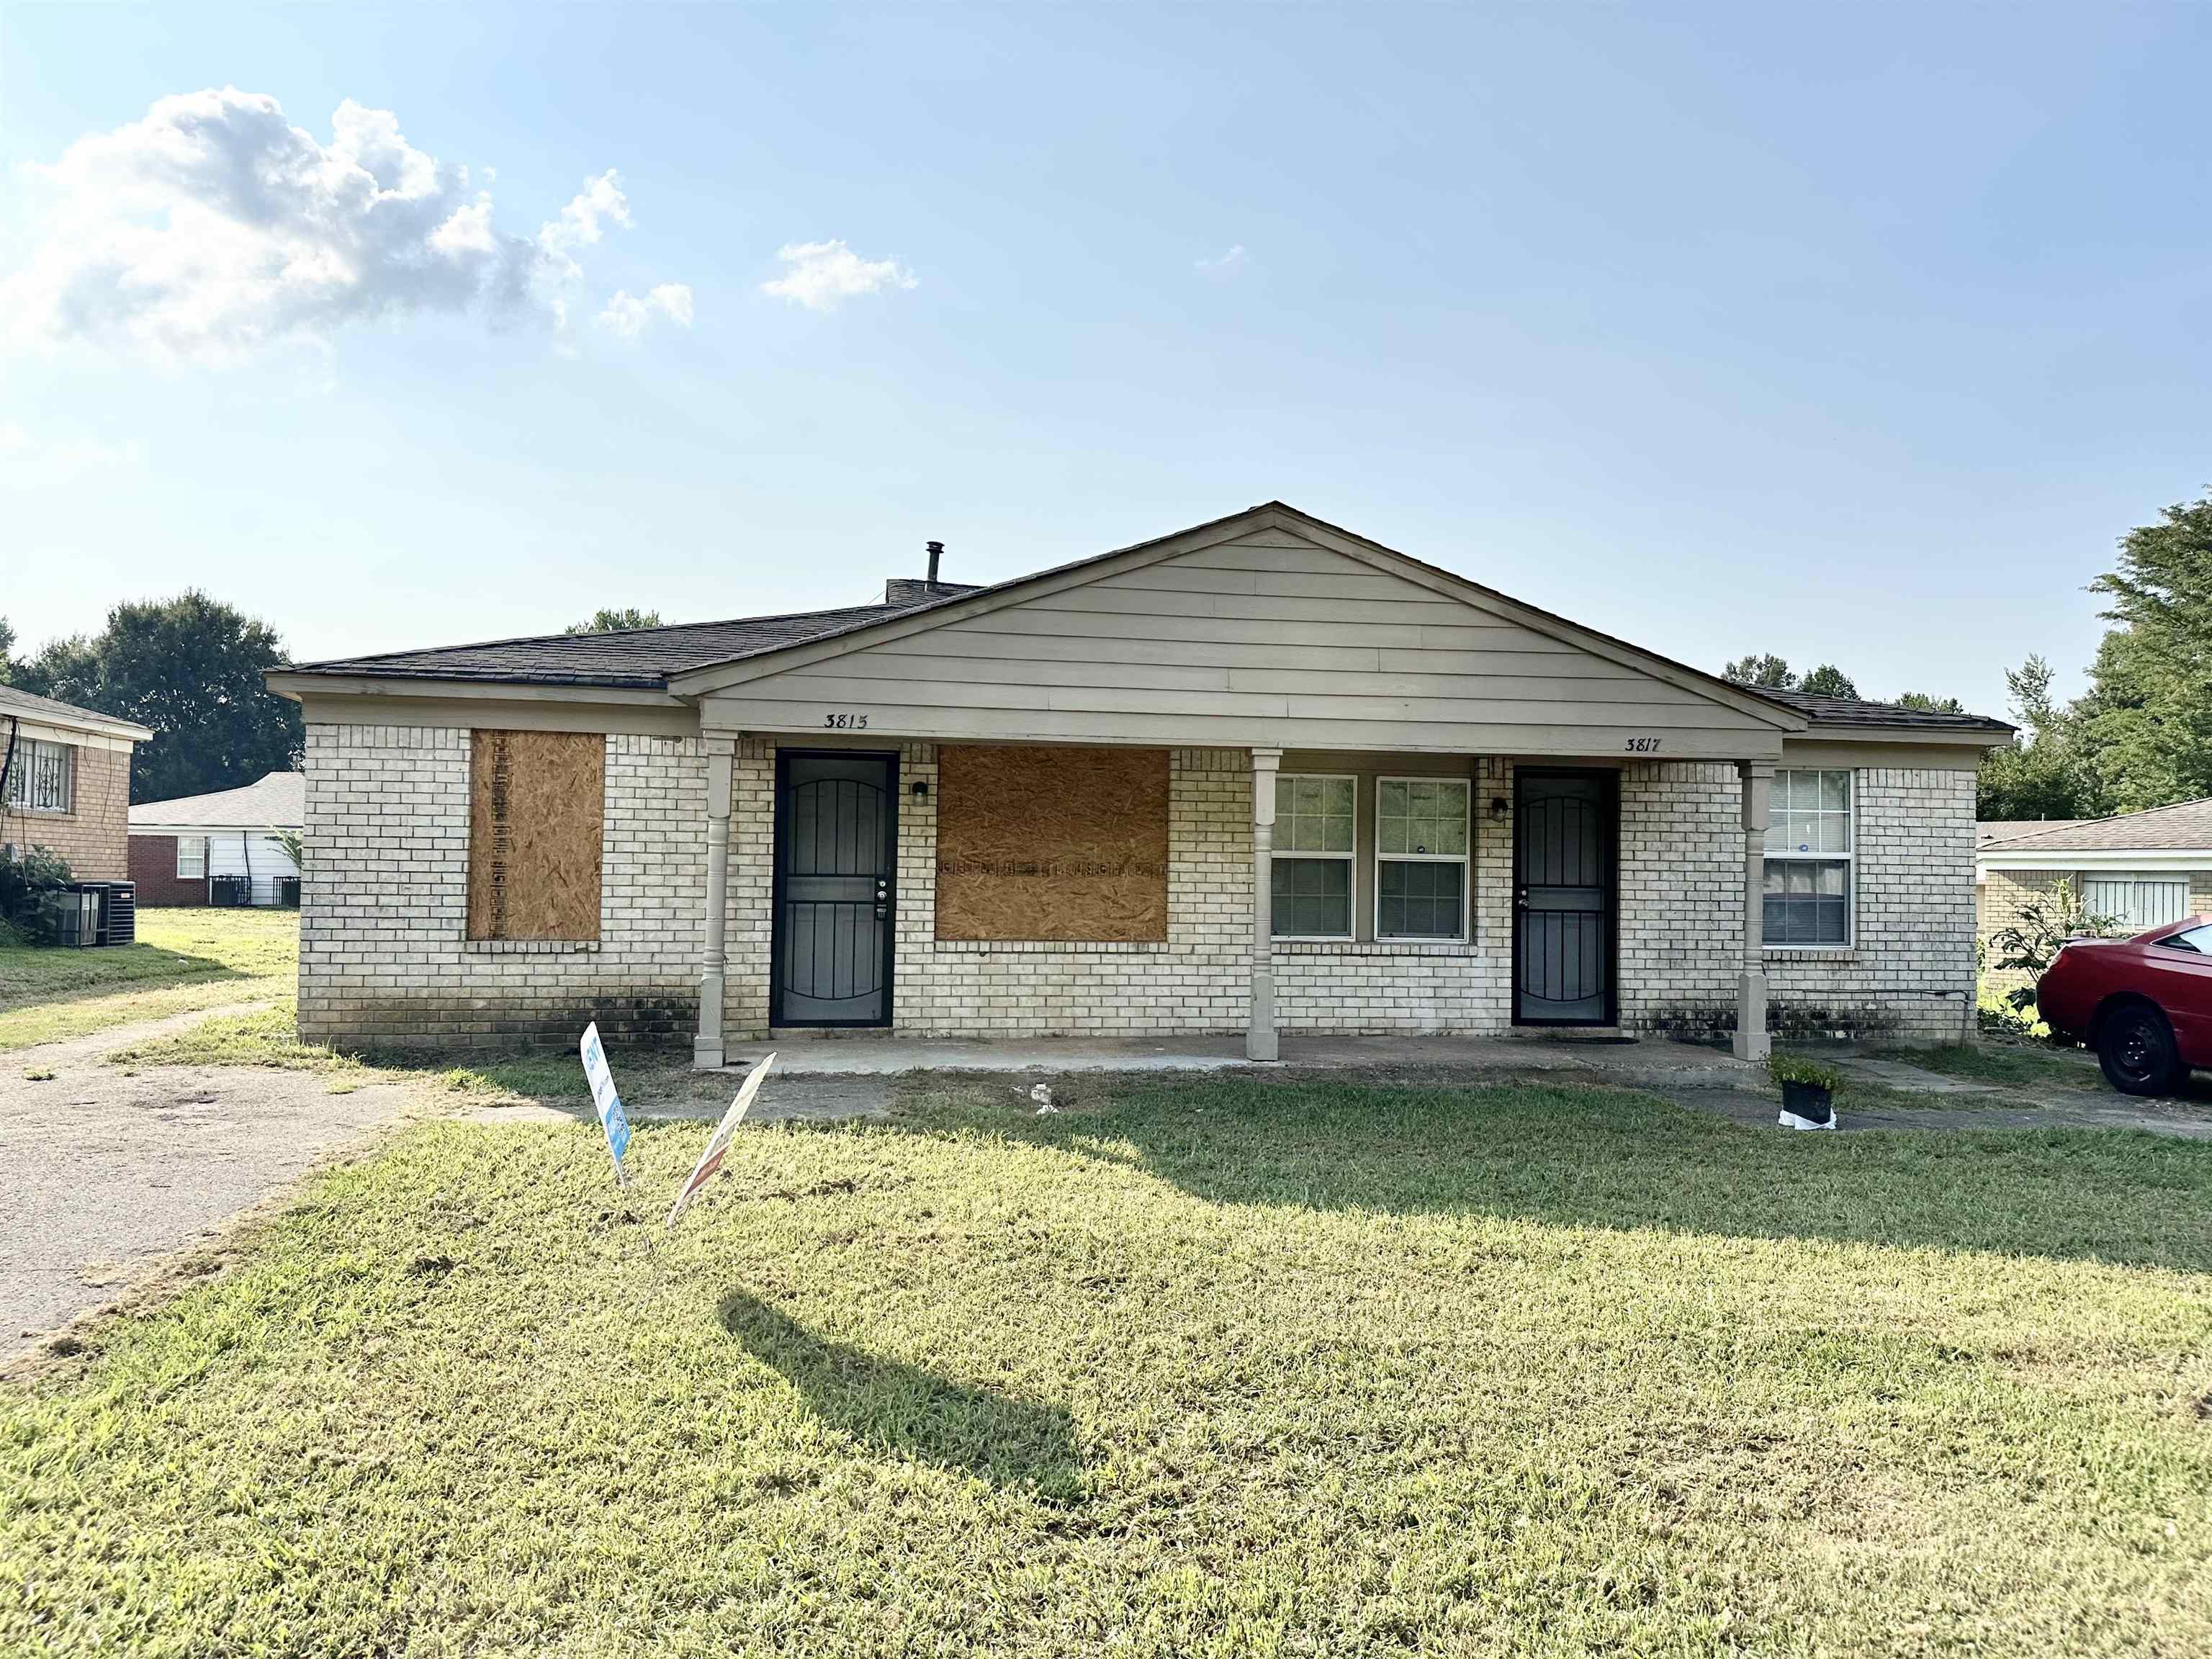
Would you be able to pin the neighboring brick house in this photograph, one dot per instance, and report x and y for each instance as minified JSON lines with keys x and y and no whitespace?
{"x":220,"y":847}
{"x":68,"y":786}
{"x":1049,"y":807}
{"x":2140,"y":870}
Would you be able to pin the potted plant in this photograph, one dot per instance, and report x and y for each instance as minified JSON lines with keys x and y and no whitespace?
{"x":1808,"y":1089}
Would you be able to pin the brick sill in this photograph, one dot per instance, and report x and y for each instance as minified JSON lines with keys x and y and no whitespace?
{"x":1812,"y":954}
{"x":988,"y":947}
{"x":527,"y":947}
{"x":1376,"y":947}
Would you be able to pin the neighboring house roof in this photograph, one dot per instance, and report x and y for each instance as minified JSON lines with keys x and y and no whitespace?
{"x":278,"y":801}
{"x":54,"y":712}
{"x":1996,"y":830}
{"x":2184,"y":827}
{"x":651,"y":659}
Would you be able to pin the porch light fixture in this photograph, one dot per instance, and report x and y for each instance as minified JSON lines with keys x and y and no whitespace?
{"x":1497,"y":808}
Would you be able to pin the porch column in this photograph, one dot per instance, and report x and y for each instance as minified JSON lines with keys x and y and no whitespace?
{"x":707,"y":1053}
{"x":1260,"y":1033}
{"x":1751,"y":1039}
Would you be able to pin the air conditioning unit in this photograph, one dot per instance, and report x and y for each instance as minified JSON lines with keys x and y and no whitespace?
{"x":74,"y":916}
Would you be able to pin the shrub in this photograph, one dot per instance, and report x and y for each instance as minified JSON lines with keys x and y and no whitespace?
{"x":1801,"y":1068}
{"x":2046,"y":922}
{"x":29,"y":882}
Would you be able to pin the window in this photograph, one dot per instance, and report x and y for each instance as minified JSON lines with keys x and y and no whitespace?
{"x":2196,"y":939}
{"x":2135,"y":903}
{"x":1420,"y":858}
{"x":537,"y":823}
{"x":191,"y":857}
{"x":1310,"y":879}
{"x":1808,"y":859}
{"x":43,"y":778}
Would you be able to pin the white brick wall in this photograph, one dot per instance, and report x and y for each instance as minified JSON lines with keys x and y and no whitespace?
{"x":383,"y":958}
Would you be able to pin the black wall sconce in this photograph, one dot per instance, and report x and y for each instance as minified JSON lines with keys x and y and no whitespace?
{"x":1497,"y":808}
{"x":920,"y":789}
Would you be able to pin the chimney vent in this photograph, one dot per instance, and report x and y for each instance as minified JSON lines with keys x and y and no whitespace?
{"x":936,"y":554}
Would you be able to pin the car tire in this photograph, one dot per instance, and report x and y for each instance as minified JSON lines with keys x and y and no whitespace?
{"x":2134,"y":1045}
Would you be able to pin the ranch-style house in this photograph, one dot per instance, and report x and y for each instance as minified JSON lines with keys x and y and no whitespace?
{"x":1260,"y":775}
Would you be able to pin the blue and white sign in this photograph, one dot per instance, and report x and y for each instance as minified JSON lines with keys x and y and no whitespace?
{"x":612,"y":1118}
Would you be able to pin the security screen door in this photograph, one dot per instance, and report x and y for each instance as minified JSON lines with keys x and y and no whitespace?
{"x":836,"y":842}
{"x":1563,"y":879}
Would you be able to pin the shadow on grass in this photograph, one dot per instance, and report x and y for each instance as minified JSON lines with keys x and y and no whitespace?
{"x":904,"y":1411}
{"x":34,"y":976}
{"x":1611,"y":1158}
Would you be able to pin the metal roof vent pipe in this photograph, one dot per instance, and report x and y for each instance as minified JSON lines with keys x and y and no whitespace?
{"x":936,"y":556}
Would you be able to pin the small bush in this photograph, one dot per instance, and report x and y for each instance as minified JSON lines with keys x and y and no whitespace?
{"x":1800,"y":1069}
{"x":2032,"y":944}
{"x":30,"y":885}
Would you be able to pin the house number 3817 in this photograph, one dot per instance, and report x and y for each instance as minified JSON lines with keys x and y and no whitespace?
{"x":1643,"y":746}
{"x":842,"y":720}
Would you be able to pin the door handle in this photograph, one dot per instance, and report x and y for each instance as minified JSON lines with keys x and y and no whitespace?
{"x":883,"y":897}
{"x":1521,"y":898}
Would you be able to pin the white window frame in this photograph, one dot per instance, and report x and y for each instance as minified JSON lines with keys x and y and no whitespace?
{"x":1349,"y":858}
{"x":25,"y":769}
{"x":1464,"y":859}
{"x":1848,"y":858}
{"x":199,"y":844}
{"x":2136,"y":880}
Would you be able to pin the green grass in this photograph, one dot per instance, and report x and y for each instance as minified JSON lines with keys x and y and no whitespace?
{"x":268,"y":1037}
{"x":1195,"y":1367}
{"x":184,"y":960}
{"x":2007,"y":1065}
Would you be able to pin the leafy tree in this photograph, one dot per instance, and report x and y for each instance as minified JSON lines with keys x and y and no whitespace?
{"x":1761,"y":673}
{"x":616,"y":621}
{"x":1927,"y":705}
{"x":1829,"y":681}
{"x":2042,"y":773}
{"x":7,"y":653}
{"x":190,"y":669}
{"x":2146,"y":718}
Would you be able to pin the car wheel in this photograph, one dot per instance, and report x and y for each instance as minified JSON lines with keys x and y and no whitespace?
{"x":2136,"y":1049}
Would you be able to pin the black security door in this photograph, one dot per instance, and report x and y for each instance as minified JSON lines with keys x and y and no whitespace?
{"x":1564,"y":878}
{"x":837,"y":843}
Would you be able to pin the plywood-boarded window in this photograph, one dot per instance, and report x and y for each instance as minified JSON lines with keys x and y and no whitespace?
{"x":1065,"y":845}
{"x":537,"y":820}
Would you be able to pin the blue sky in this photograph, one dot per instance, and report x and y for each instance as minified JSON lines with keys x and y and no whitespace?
{"x":1858,"y":336}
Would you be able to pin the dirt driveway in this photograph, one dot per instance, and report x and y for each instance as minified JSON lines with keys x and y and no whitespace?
{"x":102,"y":1171}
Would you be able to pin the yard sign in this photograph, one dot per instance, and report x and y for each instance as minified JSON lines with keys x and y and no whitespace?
{"x":612,"y":1118}
{"x":711,"y":1159}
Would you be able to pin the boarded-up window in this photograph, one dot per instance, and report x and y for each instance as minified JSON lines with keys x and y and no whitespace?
{"x":537,"y":807}
{"x":1066,"y":845}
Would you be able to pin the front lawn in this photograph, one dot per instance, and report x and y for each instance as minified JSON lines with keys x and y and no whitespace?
{"x":1198,"y":1366}
{"x":183,"y":959}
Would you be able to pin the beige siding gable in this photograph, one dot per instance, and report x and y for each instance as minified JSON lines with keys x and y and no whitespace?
{"x":1265,"y":638}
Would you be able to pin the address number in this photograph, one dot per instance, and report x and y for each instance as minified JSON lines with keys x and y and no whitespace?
{"x":1643,"y":746}
{"x":842,"y":721}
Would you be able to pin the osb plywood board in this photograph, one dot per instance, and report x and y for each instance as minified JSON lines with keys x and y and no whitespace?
{"x":1066,"y":845}
{"x":536,"y":810}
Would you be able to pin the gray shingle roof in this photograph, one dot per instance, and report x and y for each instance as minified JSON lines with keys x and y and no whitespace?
{"x":1856,"y":711}
{"x":276,"y":801}
{"x":1989,"y":829}
{"x":639,"y":658}
{"x":31,"y":707}
{"x":2185,"y":826}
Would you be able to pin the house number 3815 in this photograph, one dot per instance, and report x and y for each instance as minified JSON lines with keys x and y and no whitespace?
{"x":842,"y":720}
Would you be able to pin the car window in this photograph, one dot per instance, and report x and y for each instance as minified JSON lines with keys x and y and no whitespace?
{"x":2198,"y":940}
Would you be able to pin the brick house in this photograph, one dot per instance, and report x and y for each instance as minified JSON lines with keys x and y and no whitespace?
{"x":219,"y":846}
{"x":68,"y":785}
{"x":2140,"y":870}
{"x":1262,"y":774}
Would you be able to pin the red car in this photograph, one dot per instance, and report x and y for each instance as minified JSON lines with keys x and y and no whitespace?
{"x":2143,"y":1003}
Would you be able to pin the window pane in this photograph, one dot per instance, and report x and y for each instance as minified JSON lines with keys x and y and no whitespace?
{"x":1314,"y":814}
{"x":1807,"y":901}
{"x":1423,"y":815}
{"x":1835,"y":791}
{"x":1420,"y":901}
{"x":1311,"y":897}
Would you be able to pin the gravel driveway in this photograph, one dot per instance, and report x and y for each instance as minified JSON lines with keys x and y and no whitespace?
{"x":101,"y":1171}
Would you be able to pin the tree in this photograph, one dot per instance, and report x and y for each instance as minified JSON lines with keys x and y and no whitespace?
{"x":616,"y":621}
{"x":2146,"y":718}
{"x":7,"y":653}
{"x":2041,"y":774}
{"x":190,"y":669}
{"x":1927,"y":705}
{"x":1829,"y":681}
{"x":1763,"y":673}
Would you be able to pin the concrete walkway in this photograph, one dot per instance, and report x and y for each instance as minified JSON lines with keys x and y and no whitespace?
{"x":1640,"y":1063}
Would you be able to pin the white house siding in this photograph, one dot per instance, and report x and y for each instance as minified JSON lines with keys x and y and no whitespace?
{"x":384,"y":957}
{"x":261,"y":858}
{"x":1910,"y":967}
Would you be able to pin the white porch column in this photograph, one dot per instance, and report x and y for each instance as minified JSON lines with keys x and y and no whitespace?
{"x":1751,"y":1038}
{"x":707,"y":1052}
{"x":1260,"y":1033}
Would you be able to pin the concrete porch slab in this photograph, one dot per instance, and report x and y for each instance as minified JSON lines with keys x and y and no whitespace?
{"x":1644,"y":1063}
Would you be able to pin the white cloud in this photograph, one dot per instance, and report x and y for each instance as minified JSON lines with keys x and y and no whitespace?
{"x":1221,"y":264}
{"x":820,"y":274}
{"x":214,"y":227}
{"x":628,"y":314}
{"x":13,"y":436}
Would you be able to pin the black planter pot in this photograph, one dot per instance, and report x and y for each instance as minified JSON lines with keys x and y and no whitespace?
{"x":1806,"y":1106}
